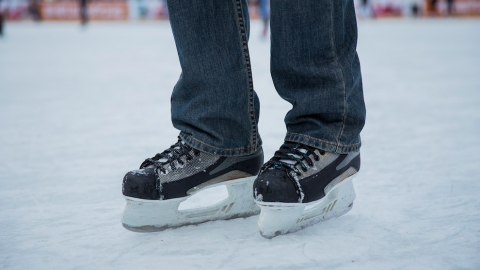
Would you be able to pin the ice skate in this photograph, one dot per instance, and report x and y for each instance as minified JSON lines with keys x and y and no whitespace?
{"x":301,"y":186}
{"x":155,"y":191}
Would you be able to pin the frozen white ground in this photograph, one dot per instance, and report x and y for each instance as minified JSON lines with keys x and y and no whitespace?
{"x":79,"y":108}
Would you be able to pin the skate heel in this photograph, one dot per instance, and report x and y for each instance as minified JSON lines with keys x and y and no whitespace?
{"x":149,"y":215}
{"x":282,"y":218}
{"x":278,"y":219}
{"x":156,"y":215}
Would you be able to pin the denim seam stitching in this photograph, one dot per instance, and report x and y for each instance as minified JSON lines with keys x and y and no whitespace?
{"x":246,"y":58}
{"x":219,"y":149}
{"x":320,"y":141}
{"x":332,"y":31}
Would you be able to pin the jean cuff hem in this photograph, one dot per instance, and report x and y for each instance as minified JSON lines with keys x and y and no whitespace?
{"x":199,"y":145}
{"x":323,"y":145}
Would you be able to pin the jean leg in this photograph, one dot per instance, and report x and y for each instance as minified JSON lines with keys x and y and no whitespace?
{"x":263,"y":6}
{"x":315,"y":67}
{"x":213,"y":103}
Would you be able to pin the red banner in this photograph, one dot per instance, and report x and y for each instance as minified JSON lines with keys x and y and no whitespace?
{"x":459,"y":8}
{"x":96,"y":11}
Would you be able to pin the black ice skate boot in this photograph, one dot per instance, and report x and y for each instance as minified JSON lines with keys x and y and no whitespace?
{"x":301,"y":186}
{"x":155,"y":191}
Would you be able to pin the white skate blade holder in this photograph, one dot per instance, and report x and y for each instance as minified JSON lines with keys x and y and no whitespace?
{"x":156,"y":215}
{"x":282,"y":218}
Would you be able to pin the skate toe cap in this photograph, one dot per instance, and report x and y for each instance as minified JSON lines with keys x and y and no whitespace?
{"x":141,"y":184}
{"x":275,"y":186}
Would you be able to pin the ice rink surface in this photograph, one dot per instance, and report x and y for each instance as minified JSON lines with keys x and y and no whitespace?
{"x":81,"y":107}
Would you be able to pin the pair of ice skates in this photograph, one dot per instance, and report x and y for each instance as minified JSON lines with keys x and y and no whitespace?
{"x":298,"y":187}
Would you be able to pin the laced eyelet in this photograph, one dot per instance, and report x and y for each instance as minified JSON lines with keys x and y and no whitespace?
{"x":322,"y":152}
{"x":178,"y":154}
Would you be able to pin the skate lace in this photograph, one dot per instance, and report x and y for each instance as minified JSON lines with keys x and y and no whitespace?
{"x":290,"y":155}
{"x":174,"y":153}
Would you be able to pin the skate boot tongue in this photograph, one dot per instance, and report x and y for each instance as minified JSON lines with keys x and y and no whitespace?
{"x":290,"y":161}
{"x":164,"y":160}
{"x":293,"y":157}
{"x":172,"y":157}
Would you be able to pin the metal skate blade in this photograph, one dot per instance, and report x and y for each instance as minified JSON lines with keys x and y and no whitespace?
{"x":150,"y":228}
{"x":156,"y":215}
{"x":301,"y":226}
{"x":283,"y":218}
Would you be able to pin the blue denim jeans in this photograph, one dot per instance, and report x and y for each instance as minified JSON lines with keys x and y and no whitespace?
{"x":314,"y":66}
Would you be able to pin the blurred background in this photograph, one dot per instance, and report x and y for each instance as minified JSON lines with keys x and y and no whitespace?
{"x":39,"y":10}
{"x":85,"y":97}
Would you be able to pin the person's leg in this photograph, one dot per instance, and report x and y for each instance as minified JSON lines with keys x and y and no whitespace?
{"x":213,"y":103}
{"x":433,"y":7}
{"x":315,"y":67}
{"x":83,"y":11}
{"x":1,"y":24}
{"x":216,"y":110}
{"x":450,"y":7}
{"x":263,"y":6}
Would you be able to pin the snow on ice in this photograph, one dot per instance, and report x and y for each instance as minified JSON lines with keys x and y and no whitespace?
{"x":81,"y":107}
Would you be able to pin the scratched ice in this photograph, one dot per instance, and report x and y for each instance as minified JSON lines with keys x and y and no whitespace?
{"x":79,"y":108}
